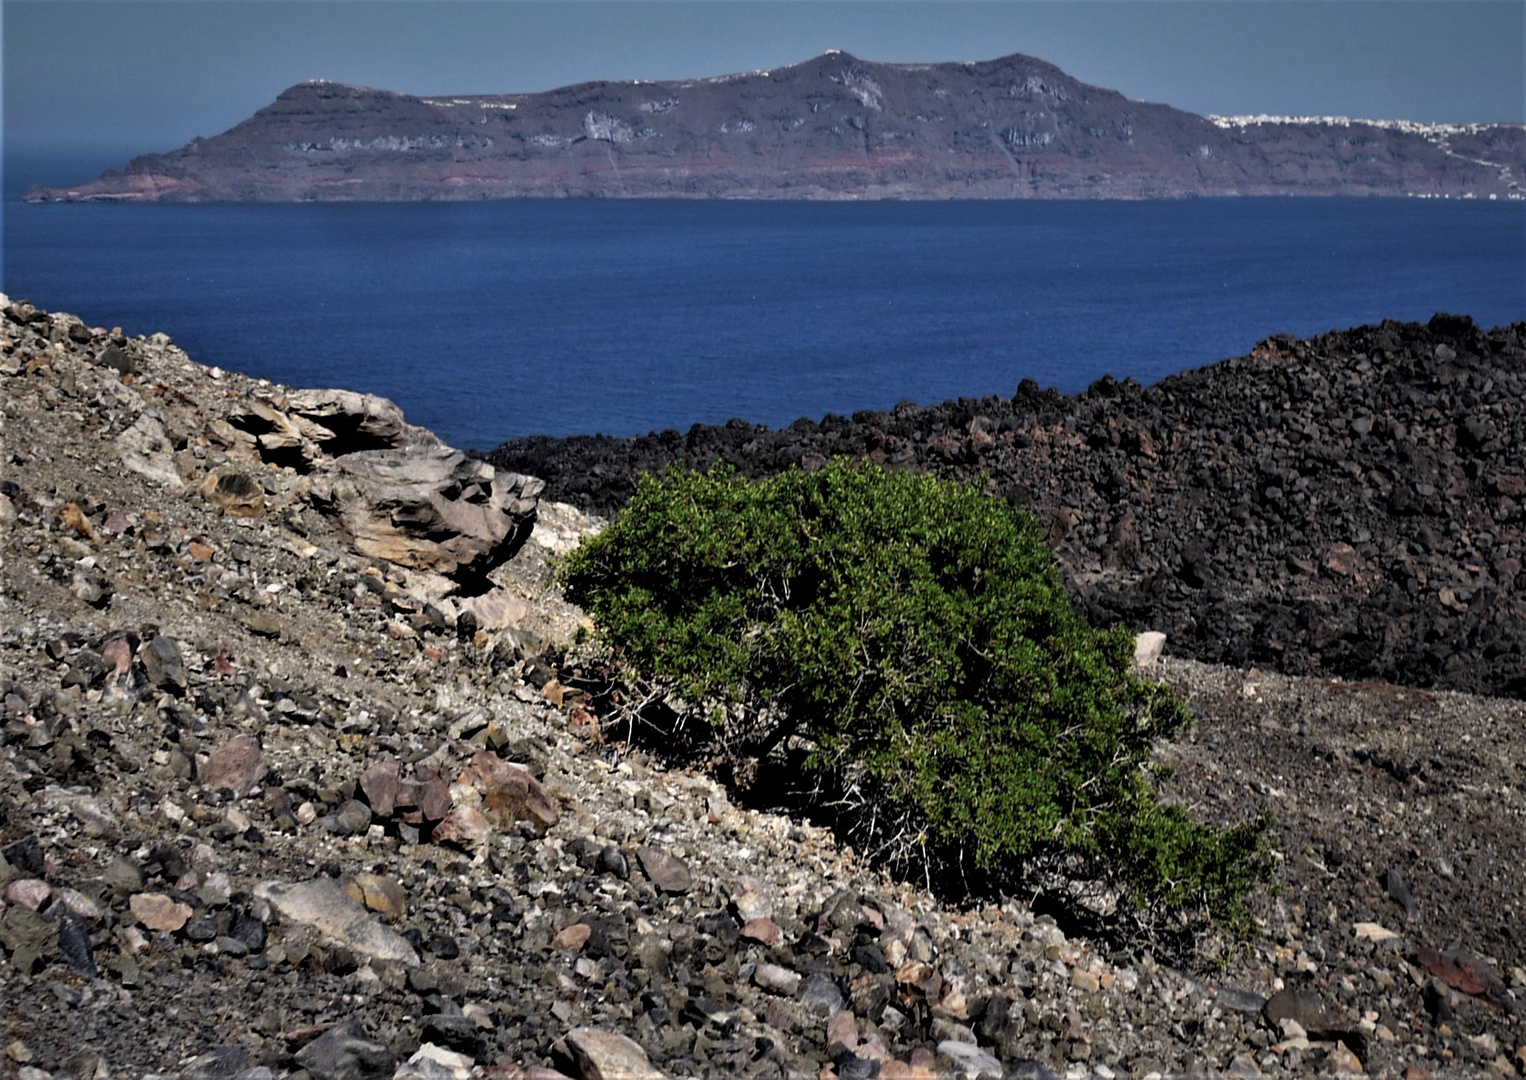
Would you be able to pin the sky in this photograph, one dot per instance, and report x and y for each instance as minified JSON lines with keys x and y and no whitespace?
{"x":97,"y":81}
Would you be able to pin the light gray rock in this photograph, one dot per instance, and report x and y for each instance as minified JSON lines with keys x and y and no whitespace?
{"x":146,"y":449}
{"x":779,"y":980}
{"x":820,"y":995}
{"x":1147,"y":648}
{"x":323,"y":904}
{"x":433,"y":1062}
{"x":969,"y":1062}
{"x":223,"y":1063}
{"x":429,"y":508}
{"x":345,"y":422}
{"x":605,"y":1055}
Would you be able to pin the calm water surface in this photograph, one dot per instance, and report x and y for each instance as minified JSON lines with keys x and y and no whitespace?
{"x":491,"y":320}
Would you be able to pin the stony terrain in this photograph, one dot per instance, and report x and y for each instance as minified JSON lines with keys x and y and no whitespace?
{"x":1353,"y":504}
{"x":289,"y":786}
{"x":833,"y":127}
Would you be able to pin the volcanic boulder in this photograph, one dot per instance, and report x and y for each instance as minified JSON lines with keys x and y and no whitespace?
{"x":429,"y":508}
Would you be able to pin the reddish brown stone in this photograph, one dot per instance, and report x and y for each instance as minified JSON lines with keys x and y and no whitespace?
{"x":74,"y":518}
{"x":158,"y":912}
{"x":509,"y":793}
{"x":1342,"y":560}
{"x":236,"y":765}
{"x":118,"y":653}
{"x":381,"y":785}
{"x":1462,"y":972}
{"x":382,"y":895}
{"x":764,"y":931}
{"x":117,"y":523}
{"x":428,"y":792}
{"x":573,"y":937}
{"x":842,"y":1033}
{"x":667,"y":872}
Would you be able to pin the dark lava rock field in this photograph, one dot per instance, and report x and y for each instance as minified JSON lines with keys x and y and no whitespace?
{"x":1352,"y":504}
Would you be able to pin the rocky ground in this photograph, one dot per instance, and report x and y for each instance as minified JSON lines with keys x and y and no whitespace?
{"x":1353,"y":504}
{"x":288,"y":788}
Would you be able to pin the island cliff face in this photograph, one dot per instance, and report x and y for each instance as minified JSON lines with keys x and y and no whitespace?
{"x":830,"y":128}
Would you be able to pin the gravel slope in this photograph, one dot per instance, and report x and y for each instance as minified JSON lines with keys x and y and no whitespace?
{"x":195,"y":704}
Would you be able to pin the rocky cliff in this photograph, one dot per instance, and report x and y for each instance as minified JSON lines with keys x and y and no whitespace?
{"x":296,"y":781}
{"x":834,"y":127}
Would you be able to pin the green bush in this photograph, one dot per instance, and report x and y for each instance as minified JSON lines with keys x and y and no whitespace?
{"x":915,"y":636}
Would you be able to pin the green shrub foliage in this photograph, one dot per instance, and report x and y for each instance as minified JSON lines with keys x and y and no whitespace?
{"x":915,"y":636}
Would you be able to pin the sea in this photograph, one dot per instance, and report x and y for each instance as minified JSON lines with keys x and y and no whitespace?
{"x":487,"y":321}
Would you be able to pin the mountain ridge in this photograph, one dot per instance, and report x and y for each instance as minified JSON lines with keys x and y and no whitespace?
{"x":831,"y":127}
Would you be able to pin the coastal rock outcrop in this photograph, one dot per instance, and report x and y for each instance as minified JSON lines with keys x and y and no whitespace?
{"x":429,"y":508}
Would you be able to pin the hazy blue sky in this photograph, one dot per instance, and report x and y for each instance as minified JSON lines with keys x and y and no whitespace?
{"x":116,"y":77}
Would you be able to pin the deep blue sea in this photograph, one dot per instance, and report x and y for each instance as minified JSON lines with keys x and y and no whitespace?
{"x":491,"y":320}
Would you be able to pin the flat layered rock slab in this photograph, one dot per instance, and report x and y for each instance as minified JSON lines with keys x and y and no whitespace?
{"x":323,"y":904}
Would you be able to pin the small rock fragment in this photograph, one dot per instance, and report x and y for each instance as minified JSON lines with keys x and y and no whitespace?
{"x":224,"y":1063}
{"x":750,"y":904}
{"x":322,"y":904}
{"x":159,"y":912}
{"x":1464,"y":973}
{"x":842,"y":1034}
{"x":345,"y":1053}
{"x":29,"y":893}
{"x":351,"y":819}
{"x":969,"y":1062}
{"x":776,"y":979}
{"x":146,"y":449}
{"x":431,"y":1062}
{"x":74,"y":944}
{"x":1398,"y":889}
{"x":382,"y":895}
{"x":237,"y":765}
{"x":667,"y":872}
{"x":764,"y":931}
{"x":164,"y":665}
{"x":820,"y":995}
{"x":606,"y":1055}
{"x":1148,"y":647}
{"x":572,"y":937}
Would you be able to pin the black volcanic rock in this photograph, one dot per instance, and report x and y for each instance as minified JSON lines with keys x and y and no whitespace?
{"x":834,"y":127}
{"x":1353,"y":504}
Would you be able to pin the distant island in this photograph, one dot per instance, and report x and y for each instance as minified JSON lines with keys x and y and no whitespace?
{"x":834,"y":127}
